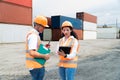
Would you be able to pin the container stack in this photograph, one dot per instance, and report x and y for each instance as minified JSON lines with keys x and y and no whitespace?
{"x":89,"y":25}
{"x":15,"y":20}
{"x":16,"y":12}
{"x":57,"y":22}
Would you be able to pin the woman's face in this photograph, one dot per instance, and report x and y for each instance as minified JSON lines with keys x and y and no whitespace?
{"x":66,"y":31}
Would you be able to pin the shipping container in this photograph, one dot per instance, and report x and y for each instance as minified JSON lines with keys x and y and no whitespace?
{"x":56,"y":34}
{"x":86,"y":17}
{"x":107,"y":33}
{"x":89,"y":35}
{"x":79,"y":33}
{"x":13,"y":33}
{"x":89,"y":26}
{"x":26,"y":3}
{"x":15,"y":14}
{"x":58,"y":20}
{"x":47,"y":34}
{"x":49,"y":22}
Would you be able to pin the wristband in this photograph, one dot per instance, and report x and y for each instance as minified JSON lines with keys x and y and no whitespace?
{"x":65,"y":56}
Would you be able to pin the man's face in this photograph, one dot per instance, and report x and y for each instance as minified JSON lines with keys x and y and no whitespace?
{"x":41,"y":29}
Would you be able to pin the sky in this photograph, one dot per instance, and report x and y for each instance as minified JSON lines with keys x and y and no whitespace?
{"x":107,"y":11}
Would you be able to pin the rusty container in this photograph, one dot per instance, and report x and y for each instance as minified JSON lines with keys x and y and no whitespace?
{"x":79,"y":33}
{"x":56,"y":34}
{"x":15,"y":14}
{"x":86,"y":17}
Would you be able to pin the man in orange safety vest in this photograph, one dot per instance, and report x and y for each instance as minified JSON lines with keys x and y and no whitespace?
{"x":33,"y":41}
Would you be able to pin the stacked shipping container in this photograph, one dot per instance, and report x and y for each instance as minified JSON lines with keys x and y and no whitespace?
{"x":89,"y":25}
{"x":13,"y":13}
{"x":19,"y":12}
{"x":85,"y":25}
{"x":15,"y":20}
{"x":57,"y":22}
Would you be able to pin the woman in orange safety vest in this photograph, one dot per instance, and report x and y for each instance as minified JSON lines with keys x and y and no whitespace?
{"x":68,"y":61}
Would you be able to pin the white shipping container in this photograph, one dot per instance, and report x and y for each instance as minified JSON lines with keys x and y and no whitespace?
{"x":47,"y":34}
{"x":13,"y":33}
{"x":107,"y":33}
{"x":89,"y":26}
{"x":107,"y":30}
{"x":89,"y":35}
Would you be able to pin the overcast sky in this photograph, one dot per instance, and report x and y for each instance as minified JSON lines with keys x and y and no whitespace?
{"x":107,"y":11}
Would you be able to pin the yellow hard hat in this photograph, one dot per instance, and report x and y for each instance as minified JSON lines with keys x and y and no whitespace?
{"x":66,"y":23}
{"x":41,"y":20}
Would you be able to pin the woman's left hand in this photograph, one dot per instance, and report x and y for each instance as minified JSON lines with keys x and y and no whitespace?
{"x":62,"y":53}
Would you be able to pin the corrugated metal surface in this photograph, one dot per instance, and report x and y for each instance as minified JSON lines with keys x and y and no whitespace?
{"x":56,"y":34}
{"x":86,"y":17}
{"x":106,"y":33}
{"x":58,"y":20}
{"x":13,"y":33}
{"x":89,"y":35}
{"x":106,"y":36}
{"x":49,"y":22}
{"x":27,"y":3}
{"x":47,"y":34}
{"x":106,"y":30}
{"x":79,"y":33}
{"x":89,"y":26}
{"x":14,"y":14}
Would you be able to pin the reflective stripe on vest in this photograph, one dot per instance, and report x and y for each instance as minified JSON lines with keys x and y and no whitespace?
{"x":68,"y":61}
{"x":27,"y":51}
{"x":32,"y":59}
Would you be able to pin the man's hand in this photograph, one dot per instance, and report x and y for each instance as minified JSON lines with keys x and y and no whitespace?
{"x":47,"y":45}
{"x":47,"y":56}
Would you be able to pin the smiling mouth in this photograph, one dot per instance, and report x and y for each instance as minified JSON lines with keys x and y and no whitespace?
{"x":65,"y":33}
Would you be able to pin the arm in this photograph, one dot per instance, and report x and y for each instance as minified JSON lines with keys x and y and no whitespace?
{"x":74,"y":50}
{"x":32,"y":46}
{"x":35,"y":54}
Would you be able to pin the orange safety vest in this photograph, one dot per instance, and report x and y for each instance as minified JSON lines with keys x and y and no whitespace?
{"x":65,"y":62}
{"x":30,"y":62}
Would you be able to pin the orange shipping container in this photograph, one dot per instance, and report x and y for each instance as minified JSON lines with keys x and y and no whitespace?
{"x":15,"y":14}
{"x":56,"y":34}
{"x":86,"y":17}
{"x":79,"y":33}
{"x":27,"y":3}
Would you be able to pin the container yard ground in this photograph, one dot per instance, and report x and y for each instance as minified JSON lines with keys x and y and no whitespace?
{"x":98,"y":60}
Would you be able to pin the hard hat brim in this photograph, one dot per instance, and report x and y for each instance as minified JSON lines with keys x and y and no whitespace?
{"x":46,"y":26}
{"x":66,"y":26}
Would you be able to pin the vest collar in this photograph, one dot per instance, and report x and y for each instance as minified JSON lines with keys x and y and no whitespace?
{"x":35,"y":31}
{"x":71,"y":37}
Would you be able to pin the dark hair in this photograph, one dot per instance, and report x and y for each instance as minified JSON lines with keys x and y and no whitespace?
{"x":72,"y":33}
{"x":35,"y":24}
